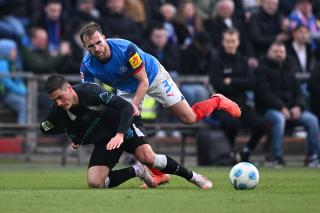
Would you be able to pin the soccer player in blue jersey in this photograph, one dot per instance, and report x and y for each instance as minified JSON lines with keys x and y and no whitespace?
{"x":134,"y":73}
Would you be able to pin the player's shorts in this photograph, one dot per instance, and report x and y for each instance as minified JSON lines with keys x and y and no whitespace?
{"x":163,"y":89}
{"x":135,"y":137}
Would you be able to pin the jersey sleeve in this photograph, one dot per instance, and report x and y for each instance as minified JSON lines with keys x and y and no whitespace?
{"x":134,"y":60}
{"x":53,"y":124}
{"x":85,"y":75}
{"x":96,"y":95}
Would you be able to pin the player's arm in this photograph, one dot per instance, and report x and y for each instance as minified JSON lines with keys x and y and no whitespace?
{"x":53,"y":123}
{"x":96,"y":95}
{"x":125,"y":108}
{"x":136,"y":64}
{"x":125,"y":119}
{"x":141,"y":90}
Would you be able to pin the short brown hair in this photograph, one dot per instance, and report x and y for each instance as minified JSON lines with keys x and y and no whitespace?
{"x":55,"y":82}
{"x":89,"y":29}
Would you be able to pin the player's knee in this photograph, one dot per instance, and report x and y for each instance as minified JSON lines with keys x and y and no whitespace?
{"x":95,"y":183}
{"x":147,"y":159}
{"x":188,"y":119}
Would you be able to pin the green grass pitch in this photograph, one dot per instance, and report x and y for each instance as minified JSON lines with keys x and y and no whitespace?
{"x":48,"y":189}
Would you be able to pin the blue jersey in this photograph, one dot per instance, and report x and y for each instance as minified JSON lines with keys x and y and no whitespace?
{"x":118,"y":71}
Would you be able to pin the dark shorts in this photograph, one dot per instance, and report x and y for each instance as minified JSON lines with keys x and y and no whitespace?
{"x":135,"y":137}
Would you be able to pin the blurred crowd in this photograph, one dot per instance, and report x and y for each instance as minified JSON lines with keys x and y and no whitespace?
{"x":263,"y":54}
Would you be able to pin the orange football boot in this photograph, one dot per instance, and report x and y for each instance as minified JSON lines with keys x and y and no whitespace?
{"x":158,"y":179}
{"x":228,"y":105}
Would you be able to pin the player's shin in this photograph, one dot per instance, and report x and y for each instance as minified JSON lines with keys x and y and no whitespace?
{"x":205,"y":108}
{"x":117,"y":177}
{"x":168,"y":165}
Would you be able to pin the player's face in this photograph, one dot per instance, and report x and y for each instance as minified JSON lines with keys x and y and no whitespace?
{"x":62,"y":97}
{"x":96,"y":46}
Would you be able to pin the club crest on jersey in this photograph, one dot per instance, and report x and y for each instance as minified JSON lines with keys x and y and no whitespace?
{"x":123,"y":69}
{"x":135,"y":61}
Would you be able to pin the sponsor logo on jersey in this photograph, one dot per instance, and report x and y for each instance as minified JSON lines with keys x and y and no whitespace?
{"x":135,"y":61}
{"x":47,"y":125}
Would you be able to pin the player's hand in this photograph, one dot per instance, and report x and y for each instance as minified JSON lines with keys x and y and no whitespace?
{"x":75,"y":146}
{"x":115,"y":142}
{"x":136,"y":111}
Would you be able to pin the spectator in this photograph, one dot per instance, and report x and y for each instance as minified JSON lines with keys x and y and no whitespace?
{"x":14,"y":17}
{"x":267,"y":26}
{"x":12,"y":89}
{"x":56,"y":27}
{"x":196,"y":60}
{"x":158,"y":46}
{"x":206,"y":8}
{"x":231,"y":76}
{"x":152,"y":9}
{"x":85,"y":12}
{"x":38,"y":58}
{"x":225,"y":20}
{"x":244,"y":9}
{"x":280,"y":100}
{"x":177,"y":31}
{"x":189,"y":18}
{"x":300,"y":55}
{"x":116,"y":24}
{"x":303,"y":15}
{"x":135,"y":10}
{"x":168,"y":12}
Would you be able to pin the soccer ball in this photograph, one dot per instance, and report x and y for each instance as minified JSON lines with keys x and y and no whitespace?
{"x":244,"y":176}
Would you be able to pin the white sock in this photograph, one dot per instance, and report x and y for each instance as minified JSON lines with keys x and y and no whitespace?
{"x":106,"y":182}
{"x":136,"y":169}
{"x":160,"y":161}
